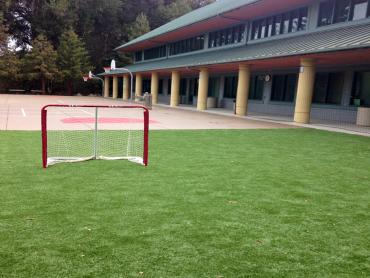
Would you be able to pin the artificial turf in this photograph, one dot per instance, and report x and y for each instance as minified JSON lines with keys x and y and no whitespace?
{"x":252,"y":203}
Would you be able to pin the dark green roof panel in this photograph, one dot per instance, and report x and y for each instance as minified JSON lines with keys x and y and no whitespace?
{"x":209,"y":11}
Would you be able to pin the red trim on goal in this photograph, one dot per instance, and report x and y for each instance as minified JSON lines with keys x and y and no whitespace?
{"x":146,"y":135}
{"x":44,"y":126}
{"x":44,"y":137}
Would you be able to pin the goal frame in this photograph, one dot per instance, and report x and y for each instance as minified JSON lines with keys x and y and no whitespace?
{"x":44,"y":131}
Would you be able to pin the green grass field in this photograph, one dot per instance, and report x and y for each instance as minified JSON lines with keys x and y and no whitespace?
{"x":253,"y":203}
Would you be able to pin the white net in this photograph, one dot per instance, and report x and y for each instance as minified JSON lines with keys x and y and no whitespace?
{"x":83,"y":133}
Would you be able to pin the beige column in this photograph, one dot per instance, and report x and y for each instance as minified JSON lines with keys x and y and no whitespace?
{"x":243,"y":90}
{"x":175,"y":88}
{"x":306,"y":83}
{"x":203,"y":89}
{"x":139,"y":85}
{"x":115,"y":86}
{"x":154,"y":87}
{"x":126,"y":87}
{"x":106,"y":86}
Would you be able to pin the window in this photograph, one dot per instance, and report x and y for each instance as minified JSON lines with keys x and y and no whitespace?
{"x":359,"y":9}
{"x":156,"y":52}
{"x":263,"y":29}
{"x":328,"y":88}
{"x":270,"y":23}
{"x":256,"y":87}
{"x":277,"y":25}
{"x":295,"y":20}
{"x":231,"y":85}
{"x":326,"y":13}
{"x":226,"y":36}
{"x":289,"y":22}
{"x":285,"y":23}
{"x":160,"y":87}
{"x":303,"y":19}
{"x":255,"y":30}
{"x":335,"y":11}
{"x":341,"y":13}
{"x":361,"y":88}
{"x":138,"y":56}
{"x":188,"y":45}
{"x":284,"y":87}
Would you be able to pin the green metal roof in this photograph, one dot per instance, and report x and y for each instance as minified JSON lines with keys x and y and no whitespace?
{"x":352,"y":37}
{"x":206,"y":12}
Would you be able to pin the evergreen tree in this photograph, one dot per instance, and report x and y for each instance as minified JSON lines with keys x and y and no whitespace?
{"x":40,"y":62}
{"x":139,"y":27}
{"x":173,"y":10}
{"x":73,"y":60}
{"x":3,"y":36}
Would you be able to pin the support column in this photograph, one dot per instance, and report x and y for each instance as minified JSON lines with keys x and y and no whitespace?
{"x":306,"y":83}
{"x":243,"y":90}
{"x":126,"y":87}
{"x":106,"y":86}
{"x":138,"y":85}
{"x":203,"y":89}
{"x":154,"y":87}
{"x":115,"y":86}
{"x":175,"y":89}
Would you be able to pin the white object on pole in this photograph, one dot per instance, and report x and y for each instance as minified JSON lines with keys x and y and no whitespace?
{"x":113,"y":64}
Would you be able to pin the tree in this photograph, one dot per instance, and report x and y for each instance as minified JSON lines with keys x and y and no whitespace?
{"x":139,"y":27}
{"x":3,"y":36}
{"x":174,"y":10}
{"x":73,"y":59}
{"x":40,"y":62}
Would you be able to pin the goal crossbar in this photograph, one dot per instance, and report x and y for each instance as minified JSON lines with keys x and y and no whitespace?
{"x":142,"y":158}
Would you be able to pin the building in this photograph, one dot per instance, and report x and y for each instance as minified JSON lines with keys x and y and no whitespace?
{"x":305,"y":59}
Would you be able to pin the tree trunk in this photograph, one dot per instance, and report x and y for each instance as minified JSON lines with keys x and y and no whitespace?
{"x":69,"y":87}
{"x":43,"y":85}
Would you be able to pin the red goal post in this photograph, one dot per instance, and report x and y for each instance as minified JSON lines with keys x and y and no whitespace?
{"x":129,"y":133}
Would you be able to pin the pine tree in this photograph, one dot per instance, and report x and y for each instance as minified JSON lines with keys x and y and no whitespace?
{"x":174,"y":10}
{"x":40,"y":62}
{"x":3,"y":36}
{"x":139,"y":27}
{"x":73,"y":59}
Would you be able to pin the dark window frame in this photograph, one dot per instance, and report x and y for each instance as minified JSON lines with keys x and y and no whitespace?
{"x":279,"y":24}
{"x":333,"y":12}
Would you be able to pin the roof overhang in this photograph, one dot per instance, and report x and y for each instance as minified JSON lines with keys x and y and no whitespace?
{"x":242,"y":13}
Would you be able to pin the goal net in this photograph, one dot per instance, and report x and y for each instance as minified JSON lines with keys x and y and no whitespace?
{"x":72,"y":133}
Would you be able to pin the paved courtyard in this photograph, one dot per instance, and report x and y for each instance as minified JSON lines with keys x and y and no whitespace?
{"x":22,"y":112}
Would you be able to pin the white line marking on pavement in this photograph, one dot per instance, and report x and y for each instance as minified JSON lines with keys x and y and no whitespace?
{"x":91,"y":114}
{"x":23,"y":112}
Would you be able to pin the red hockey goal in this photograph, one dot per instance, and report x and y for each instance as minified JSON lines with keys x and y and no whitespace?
{"x":72,"y":133}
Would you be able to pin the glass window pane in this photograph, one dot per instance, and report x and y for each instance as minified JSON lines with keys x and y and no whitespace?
{"x":270,"y":22}
{"x":342,"y":8}
{"x":321,"y":88}
{"x":241,"y":33}
{"x":286,"y":23}
{"x":295,"y":20}
{"x":303,"y":19}
{"x":255,"y":30}
{"x":290,"y":88}
{"x":235,"y":34}
{"x":359,"y":9}
{"x":263,"y":29}
{"x":278,"y":84}
{"x":277,"y":25}
{"x":335,"y":88}
{"x":326,"y":13}
{"x":362,"y":88}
